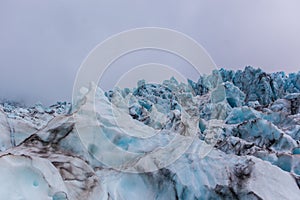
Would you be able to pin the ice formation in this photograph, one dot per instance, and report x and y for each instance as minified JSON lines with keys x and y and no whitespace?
{"x":253,"y":153}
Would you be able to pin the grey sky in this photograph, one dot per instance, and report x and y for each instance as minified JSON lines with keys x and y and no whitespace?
{"x":42,"y":43}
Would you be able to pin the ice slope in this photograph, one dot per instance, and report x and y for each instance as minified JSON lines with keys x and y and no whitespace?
{"x":252,"y":152}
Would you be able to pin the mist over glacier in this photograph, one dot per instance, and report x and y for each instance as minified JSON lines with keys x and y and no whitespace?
{"x":44,"y":43}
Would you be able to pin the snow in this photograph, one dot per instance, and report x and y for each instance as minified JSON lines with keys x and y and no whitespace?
{"x":237,"y":139}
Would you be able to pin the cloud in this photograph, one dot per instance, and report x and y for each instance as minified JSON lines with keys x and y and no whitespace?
{"x":44,"y":42}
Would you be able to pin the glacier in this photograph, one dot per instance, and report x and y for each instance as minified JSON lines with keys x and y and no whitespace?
{"x":230,"y":135}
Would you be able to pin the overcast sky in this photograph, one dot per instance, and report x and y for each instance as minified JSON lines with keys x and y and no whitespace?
{"x":43,"y":42}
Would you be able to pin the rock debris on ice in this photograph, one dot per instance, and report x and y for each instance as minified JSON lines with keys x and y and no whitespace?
{"x":242,"y":130}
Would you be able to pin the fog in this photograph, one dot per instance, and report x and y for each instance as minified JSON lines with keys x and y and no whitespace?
{"x":43,"y":43}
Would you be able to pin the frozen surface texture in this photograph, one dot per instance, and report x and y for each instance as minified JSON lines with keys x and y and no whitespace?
{"x":253,"y":154}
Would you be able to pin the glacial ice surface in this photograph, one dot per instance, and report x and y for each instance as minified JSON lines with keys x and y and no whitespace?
{"x":252,"y":152}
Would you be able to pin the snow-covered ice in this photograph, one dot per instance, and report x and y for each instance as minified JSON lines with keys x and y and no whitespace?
{"x":230,"y":135}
